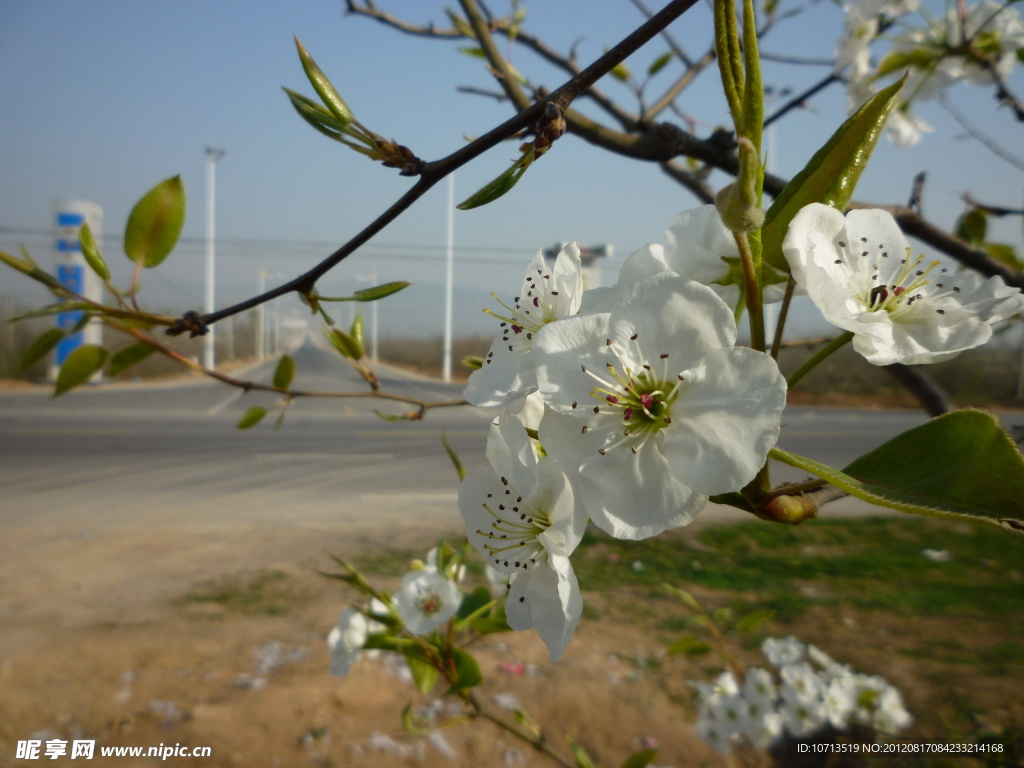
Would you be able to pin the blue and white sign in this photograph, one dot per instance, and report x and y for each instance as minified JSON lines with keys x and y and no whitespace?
{"x":73,"y":273}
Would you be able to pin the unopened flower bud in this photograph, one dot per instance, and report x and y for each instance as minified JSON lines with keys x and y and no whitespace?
{"x":737,"y":203}
{"x":416,"y":565}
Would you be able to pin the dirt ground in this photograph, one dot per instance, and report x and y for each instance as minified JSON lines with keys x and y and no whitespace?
{"x":216,"y":638}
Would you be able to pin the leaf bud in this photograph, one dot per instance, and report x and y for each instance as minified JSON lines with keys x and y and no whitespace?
{"x":737,"y":202}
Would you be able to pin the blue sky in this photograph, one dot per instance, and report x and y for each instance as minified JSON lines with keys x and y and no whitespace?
{"x":102,"y":100}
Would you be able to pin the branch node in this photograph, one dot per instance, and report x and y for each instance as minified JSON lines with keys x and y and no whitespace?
{"x":190,"y":322}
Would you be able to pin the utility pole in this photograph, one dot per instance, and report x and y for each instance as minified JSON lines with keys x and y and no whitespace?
{"x":212,"y":156}
{"x":261,"y":316}
{"x":446,"y":357}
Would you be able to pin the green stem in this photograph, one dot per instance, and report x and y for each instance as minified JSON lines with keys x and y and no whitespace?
{"x":755,"y":307}
{"x":809,"y":365}
{"x":787,"y":299}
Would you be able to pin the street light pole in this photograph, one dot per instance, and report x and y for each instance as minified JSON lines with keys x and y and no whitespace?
{"x":446,"y":358}
{"x":212,"y":156}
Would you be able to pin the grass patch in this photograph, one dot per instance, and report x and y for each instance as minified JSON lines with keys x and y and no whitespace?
{"x":268,"y":592}
{"x":869,"y":563}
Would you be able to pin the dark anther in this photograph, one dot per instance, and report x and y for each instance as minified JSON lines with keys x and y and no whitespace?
{"x":879,"y":293}
{"x":190,"y":322}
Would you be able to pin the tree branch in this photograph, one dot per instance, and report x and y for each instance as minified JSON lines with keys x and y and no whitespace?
{"x":433,"y":172}
{"x":799,"y":101}
{"x":931,"y":396}
{"x":690,"y":180}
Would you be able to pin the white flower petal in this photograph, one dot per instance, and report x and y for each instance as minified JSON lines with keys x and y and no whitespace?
{"x":426,"y":600}
{"x":725,"y":420}
{"x":696,"y":242}
{"x":548,"y":600}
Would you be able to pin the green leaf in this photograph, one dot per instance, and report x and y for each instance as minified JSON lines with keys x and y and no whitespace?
{"x":460,"y":24}
{"x":831,"y":174}
{"x":524,"y":719}
{"x":390,"y":416}
{"x":473,"y":602}
{"x":917,"y":58}
{"x":92,"y":253}
{"x":733,"y":499}
{"x":414,"y":724}
{"x":496,"y":622}
{"x":129,"y":356}
{"x":424,"y":674}
{"x":972,"y":226}
{"x":640,"y":759}
{"x":582,"y":758}
{"x":722,"y":616}
{"x":495,"y":189}
{"x":656,"y":66}
{"x":475,"y":51}
{"x":1003,"y":253}
{"x":467,"y":671}
{"x":961,"y":464}
{"x":620,"y":72}
{"x":40,"y":348}
{"x":461,"y":470}
{"x":28,"y":267}
{"x":685,"y":597}
{"x":690,"y":646}
{"x":285,"y":372}
{"x":356,"y":332}
{"x":754,"y":620}
{"x":330,"y":97}
{"x":344,"y":343}
{"x":380,"y":291}
{"x":316,"y":116}
{"x":473,"y":362}
{"x":252,"y":417}
{"x":79,"y":367}
{"x":155,"y":223}
{"x":387,"y":642}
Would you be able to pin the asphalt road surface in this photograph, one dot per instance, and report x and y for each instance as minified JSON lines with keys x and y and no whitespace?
{"x":135,"y":454}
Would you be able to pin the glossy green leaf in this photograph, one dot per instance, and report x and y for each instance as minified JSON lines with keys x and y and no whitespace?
{"x":356,"y":332}
{"x":252,"y":417}
{"x":344,"y":343}
{"x":92,"y":254}
{"x":917,"y":58}
{"x":467,"y":671}
{"x":473,"y":362}
{"x":495,"y":189}
{"x":285,"y":372}
{"x":689,"y":646}
{"x":316,"y":116}
{"x":754,"y":619}
{"x":961,"y":464}
{"x":640,"y":759}
{"x":380,"y":291}
{"x":456,"y":462}
{"x":424,"y":674}
{"x":82,"y":322}
{"x":1004,"y":253}
{"x":659,"y":63}
{"x":385,"y":641}
{"x":40,"y":348}
{"x":582,"y":758}
{"x":475,"y":51}
{"x":620,"y":72}
{"x":327,"y":93}
{"x":28,"y":267}
{"x":155,"y":223}
{"x":972,"y":226}
{"x":129,"y":356}
{"x":831,"y":174}
{"x":79,"y":367}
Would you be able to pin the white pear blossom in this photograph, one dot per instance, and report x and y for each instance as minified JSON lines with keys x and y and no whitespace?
{"x":863,"y":276}
{"x":521,"y":516}
{"x":546,"y":295}
{"x":426,"y":600}
{"x":346,"y":639}
{"x":654,"y":408}
{"x":904,"y":129}
{"x":759,"y":689}
{"x":890,"y":715}
{"x":713,"y":731}
{"x":697,"y":247}
{"x":781,"y":651}
{"x":839,"y":700}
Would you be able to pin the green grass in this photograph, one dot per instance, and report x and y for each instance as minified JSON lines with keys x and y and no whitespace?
{"x":266,"y":592}
{"x":872,"y":563}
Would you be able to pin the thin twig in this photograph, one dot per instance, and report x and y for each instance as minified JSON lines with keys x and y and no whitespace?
{"x":677,"y":49}
{"x":537,"y":742}
{"x":689,"y":180}
{"x":976,"y":134}
{"x":798,"y":60}
{"x":787,"y":299}
{"x":432,"y":173}
{"x":800,"y":100}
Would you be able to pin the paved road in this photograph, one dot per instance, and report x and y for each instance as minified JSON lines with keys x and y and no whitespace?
{"x":125,"y":455}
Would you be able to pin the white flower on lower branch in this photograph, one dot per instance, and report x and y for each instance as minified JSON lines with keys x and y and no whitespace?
{"x":347,"y":638}
{"x":546,"y":295}
{"x":861,"y":273}
{"x":656,"y":407}
{"x":426,"y":600}
{"x":521,"y":517}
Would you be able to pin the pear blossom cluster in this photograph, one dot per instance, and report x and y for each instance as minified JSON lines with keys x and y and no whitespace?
{"x":812,"y":692}
{"x":625,"y":406}
{"x":979,"y":46}
{"x":864,"y":277}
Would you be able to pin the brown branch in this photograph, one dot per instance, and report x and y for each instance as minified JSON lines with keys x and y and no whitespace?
{"x":507,"y":80}
{"x":538,"y":742}
{"x":676,"y":88}
{"x":929,"y":394}
{"x":433,"y":172}
{"x":690,"y":180}
{"x":801,"y":100}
